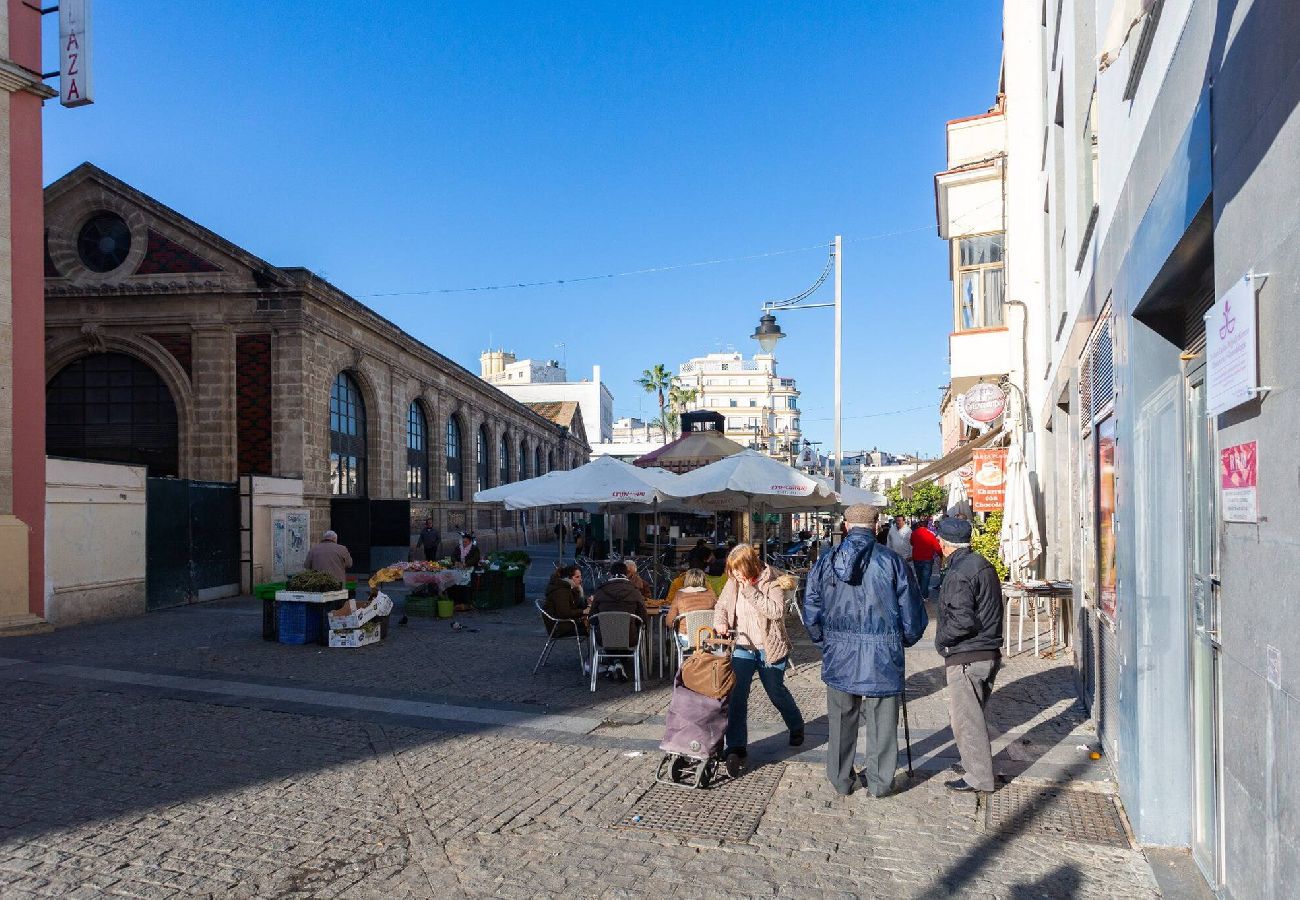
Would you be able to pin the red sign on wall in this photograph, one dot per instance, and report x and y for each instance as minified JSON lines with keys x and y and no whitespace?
{"x":988,"y":484}
{"x":1238,"y":477}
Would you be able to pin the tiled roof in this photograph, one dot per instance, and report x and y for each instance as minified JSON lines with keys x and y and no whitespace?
{"x":561,"y":412}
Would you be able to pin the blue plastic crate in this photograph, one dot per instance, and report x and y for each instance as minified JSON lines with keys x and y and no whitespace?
{"x":299,"y":623}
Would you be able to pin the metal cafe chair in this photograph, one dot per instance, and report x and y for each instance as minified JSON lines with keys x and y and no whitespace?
{"x":700,"y":618}
{"x":555,"y":633}
{"x":611,"y":638}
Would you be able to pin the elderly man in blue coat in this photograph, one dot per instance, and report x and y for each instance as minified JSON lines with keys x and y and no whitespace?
{"x":862,"y":608}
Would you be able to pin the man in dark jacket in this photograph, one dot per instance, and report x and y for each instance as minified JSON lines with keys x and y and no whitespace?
{"x":969,"y":638}
{"x":861,"y":608}
{"x":430,"y":540}
{"x":618,"y":595}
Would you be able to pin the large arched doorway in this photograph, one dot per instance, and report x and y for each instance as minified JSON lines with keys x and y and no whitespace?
{"x":111,"y":407}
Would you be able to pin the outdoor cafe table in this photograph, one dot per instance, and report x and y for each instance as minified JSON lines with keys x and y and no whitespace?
{"x":1057,"y":593}
{"x":656,"y":627}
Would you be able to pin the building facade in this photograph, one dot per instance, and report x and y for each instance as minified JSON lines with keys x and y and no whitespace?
{"x":761,"y":407}
{"x":170,"y":347}
{"x":538,"y":381}
{"x":1162,"y":137}
{"x":22,"y":439}
{"x":876,"y":470}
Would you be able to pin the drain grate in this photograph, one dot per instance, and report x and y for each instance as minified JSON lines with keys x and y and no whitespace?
{"x":1085,"y":816}
{"x":729,"y":811}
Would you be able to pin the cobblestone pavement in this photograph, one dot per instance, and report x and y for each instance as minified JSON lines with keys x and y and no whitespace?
{"x":177,"y":754}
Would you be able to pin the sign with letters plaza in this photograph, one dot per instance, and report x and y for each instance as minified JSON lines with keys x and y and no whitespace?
{"x":1232,"y":349}
{"x":75,"y":82}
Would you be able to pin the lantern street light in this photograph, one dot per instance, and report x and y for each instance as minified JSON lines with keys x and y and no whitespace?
{"x":768,"y":333}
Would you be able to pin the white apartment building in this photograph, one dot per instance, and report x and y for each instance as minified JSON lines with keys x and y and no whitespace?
{"x":761,"y":407}
{"x":876,"y":470}
{"x":546,"y":381}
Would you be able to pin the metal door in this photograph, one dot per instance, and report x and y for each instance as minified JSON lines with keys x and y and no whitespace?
{"x":1203,"y":562}
{"x":191,"y":541}
{"x":350,"y":518}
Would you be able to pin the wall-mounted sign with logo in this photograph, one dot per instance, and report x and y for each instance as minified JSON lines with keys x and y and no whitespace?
{"x":988,"y":485}
{"x":980,"y":405}
{"x":1231,"y":349}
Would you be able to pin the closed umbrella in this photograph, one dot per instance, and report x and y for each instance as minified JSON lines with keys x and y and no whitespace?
{"x":1019,"y":542}
{"x":958,"y":501}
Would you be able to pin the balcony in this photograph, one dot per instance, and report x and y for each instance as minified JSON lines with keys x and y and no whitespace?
{"x":977,"y":355}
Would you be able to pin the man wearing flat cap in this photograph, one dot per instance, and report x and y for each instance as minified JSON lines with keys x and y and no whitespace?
{"x":969,"y":638}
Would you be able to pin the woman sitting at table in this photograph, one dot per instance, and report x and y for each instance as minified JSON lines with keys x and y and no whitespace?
{"x":564,"y":601}
{"x":637,"y":581}
{"x":694,"y":595}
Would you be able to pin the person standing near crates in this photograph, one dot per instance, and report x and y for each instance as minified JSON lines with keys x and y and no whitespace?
{"x":330,"y":557}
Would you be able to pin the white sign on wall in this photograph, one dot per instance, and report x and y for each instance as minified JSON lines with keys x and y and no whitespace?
{"x":1231,"y":349}
{"x":75,"y":82}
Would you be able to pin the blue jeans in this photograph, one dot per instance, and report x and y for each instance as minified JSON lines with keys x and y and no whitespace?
{"x":746,"y":663}
{"x":923,"y":570}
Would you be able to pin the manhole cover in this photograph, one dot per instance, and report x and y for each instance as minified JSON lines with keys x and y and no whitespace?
{"x":729,"y":811}
{"x":1069,"y":815}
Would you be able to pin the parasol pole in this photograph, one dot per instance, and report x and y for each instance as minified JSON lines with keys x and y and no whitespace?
{"x":656,"y":521}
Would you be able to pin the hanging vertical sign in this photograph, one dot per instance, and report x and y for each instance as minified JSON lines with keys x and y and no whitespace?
{"x":1238,"y":477}
{"x":75,"y":81}
{"x":1231,"y":349}
{"x":989,"y":482}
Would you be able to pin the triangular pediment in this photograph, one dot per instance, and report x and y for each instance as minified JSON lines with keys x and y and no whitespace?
{"x":102,"y":233}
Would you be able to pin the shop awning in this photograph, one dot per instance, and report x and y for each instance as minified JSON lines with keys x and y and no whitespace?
{"x":953,"y":460}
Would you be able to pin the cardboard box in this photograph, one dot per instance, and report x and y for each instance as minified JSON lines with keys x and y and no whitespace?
{"x":356,"y":637}
{"x":310,"y":597}
{"x":351,"y":615}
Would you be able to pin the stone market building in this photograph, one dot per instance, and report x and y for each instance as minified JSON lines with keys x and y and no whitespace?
{"x":169,"y":346}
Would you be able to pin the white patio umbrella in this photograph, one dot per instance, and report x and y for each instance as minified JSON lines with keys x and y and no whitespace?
{"x":851,"y":494}
{"x":958,"y":500}
{"x":605,"y":484}
{"x":602,"y":482}
{"x":1019,"y":542}
{"x":747,"y":477}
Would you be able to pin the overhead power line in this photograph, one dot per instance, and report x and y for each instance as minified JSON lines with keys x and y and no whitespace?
{"x":556,"y":282}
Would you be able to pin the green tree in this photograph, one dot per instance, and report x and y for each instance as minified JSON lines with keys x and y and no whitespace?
{"x":658,"y":380}
{"x":927,"y":500}
{"x":984,"y":541}
{"x":679,"y":397}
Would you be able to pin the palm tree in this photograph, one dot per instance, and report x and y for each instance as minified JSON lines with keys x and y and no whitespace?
{"x":679,"y":398}
{"x":657,"y":380}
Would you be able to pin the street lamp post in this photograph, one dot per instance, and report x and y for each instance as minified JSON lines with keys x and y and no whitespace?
{"x":768,"y":333}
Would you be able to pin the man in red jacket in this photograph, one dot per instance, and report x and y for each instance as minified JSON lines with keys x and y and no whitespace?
{"x":925,"y":547}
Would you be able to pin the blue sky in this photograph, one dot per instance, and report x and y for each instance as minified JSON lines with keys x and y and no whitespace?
{"x":411,"y":147}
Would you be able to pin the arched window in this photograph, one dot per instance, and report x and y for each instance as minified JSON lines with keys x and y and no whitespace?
{"x":538,"y":468}
{"x":417,"y":453}
{"x":347,"y":438}
{"x":481,"y":459}
{"x":503,"y":462}
{"x":523,"y":461}
{"x":454,"y":463}
{"x":113,"y":408}
{"x":550,"y":461}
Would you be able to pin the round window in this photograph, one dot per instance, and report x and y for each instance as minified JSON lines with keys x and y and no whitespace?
{"x":104,"y":242}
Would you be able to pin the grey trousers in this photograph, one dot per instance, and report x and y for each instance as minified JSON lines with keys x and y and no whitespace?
{"x":846,"y":714}
{"x":969,"y":687}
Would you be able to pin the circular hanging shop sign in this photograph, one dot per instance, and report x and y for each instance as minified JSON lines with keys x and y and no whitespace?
{"x":980,"y":405}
